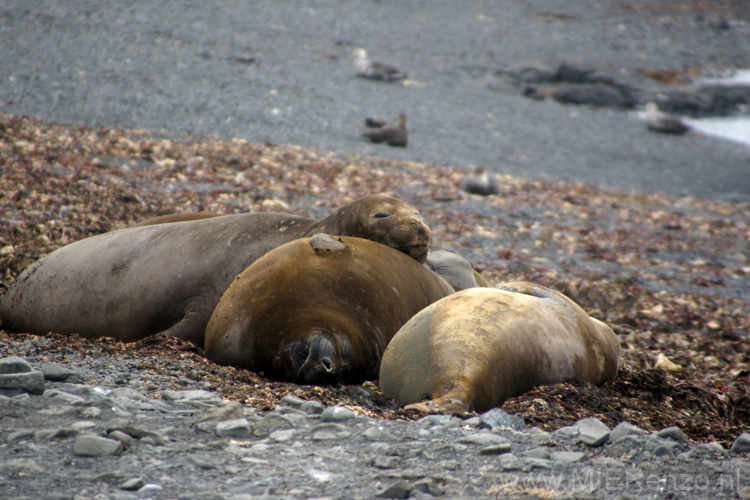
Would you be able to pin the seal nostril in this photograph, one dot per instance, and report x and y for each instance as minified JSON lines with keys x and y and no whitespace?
{"x":327,"y":364}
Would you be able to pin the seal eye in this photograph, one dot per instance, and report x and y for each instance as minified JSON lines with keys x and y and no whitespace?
{"x":418,"y":215}
{"x":381,"y":215}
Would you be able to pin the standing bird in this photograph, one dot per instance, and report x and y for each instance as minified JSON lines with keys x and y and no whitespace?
{"x":378,"y":130}
{"x":656,"y":121}
{"x":375,"y":70}
{"x":478,"y":181}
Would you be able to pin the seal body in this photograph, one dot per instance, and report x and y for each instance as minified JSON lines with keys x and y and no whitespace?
{"x":454,"y":269}
{"x":478,"y":347}
{"x":167,"y":278}
{"x":319,"y":310}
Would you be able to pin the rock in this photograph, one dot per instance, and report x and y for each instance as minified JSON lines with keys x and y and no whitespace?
{"x":291,"y":400}
{"x":312,"y":407}
{"x":238,"y":428}
{"x":229,"y":411}
{"x":64,"y":397}
{"x":624,"y":429}
{"x":14,"y":364}
{"x":497,"y":449}
{"x":497,"y":419}
{"x":275,"y":422}
{"x":95,"y":446}
{"x":191,"y":396}
{"x":336,"y":414}
{"x":674,"y":433}
{"x":399,"y":489}
{"x":483,"y":438}
{"x":132,"y":484}
{"x":13,"y":384}
{"x":741,"y":444}
{"x":58,"y":373}
{"x":567,"y":457}
{"x":592,"y":431}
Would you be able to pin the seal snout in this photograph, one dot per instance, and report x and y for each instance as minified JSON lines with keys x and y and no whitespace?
{"x":313,"y":360}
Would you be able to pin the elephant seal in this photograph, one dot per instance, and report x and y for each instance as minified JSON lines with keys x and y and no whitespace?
{"x":319,"y":310}
{"x":454,"y":269}
{"x":478,"y":347}
{"x":167,"y":278}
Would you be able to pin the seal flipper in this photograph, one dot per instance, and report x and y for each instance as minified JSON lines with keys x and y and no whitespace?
{"x":192,"y":325}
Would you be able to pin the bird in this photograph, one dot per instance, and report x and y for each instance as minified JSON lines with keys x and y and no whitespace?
{"x":656,"y":121}
{"x":374,"y":70}
{"x":478,"y":181}
{"x":378,"y":130}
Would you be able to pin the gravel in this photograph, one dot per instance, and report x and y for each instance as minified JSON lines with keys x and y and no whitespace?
{"x":102,"y":441}
{"x":280,"y":72}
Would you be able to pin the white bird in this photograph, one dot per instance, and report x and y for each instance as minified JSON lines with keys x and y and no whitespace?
{"x":374,"y":70}
{"x":657,"y":121}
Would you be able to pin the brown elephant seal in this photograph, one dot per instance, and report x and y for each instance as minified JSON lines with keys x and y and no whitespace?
{"x":167,"y":278}
{"x":478,"y":347}
{"x":319,"y":310}
{"x":454,"y":269}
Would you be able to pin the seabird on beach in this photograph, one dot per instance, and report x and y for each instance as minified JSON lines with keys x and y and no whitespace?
{"x":375,"y":70}
{"x":657,"y":121}
{"x":378,"y":130}
{"x":478,"y":181}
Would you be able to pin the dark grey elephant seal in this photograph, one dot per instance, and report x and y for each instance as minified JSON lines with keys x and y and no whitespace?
{"x":167,"y":278}
{"x":319,"y":310}
{"x":478,"y":347}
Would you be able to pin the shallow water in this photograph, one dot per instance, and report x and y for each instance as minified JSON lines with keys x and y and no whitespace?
{"x":733,"y":128}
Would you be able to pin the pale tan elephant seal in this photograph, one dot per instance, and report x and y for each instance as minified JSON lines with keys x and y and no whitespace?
{"x":455,"y":270}
{"x":167,"y":278}
{"x":319,"y":310}
{"x":474,"y":349}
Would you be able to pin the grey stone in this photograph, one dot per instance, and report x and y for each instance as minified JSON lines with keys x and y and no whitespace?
{"x":336,"y":414}
{"x":387,"y":462}
{"x":375,"y":433}
{"x":674,"y":433}
{"x":429,"y":487}
{"x":713,"y":447}
{"x":592,"y":431}
{"x":55,"y":372}
{"x":64,"y":397}
{"x":741,"y":444}
{"x":312,"y":407}
{"x":567,"y":457}
{"x":435,"y":419}
{"x":497,"y":418}
{"x":624,"y":429}
{"x":239,"y":428}
{"x":60,"y":433}
{"x":132,"y":484}
{"x":14,"y":364}
{"x":95,"y":446}
{"x":291,"y":400}
{"x":229,"y":411}
{"x":276,"y":421}
{"x":149,"y":488}
{"x":283,"y":435}
{"x":399,"y":489}
{"x":483,"y":439}
{"x":192,"y":395}
{"x":538,"y":452}
{"x":496,"y":449}
{"x":13,"y":384}
{"x":123,"y":437}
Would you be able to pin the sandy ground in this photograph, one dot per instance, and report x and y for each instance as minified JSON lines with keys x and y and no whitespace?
{"x":280,"y":71}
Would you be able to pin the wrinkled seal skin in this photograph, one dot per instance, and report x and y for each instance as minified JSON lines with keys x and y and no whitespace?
{"x":478,"y":347}
{"x":319,"y":310}
{"x":167,"y":278}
